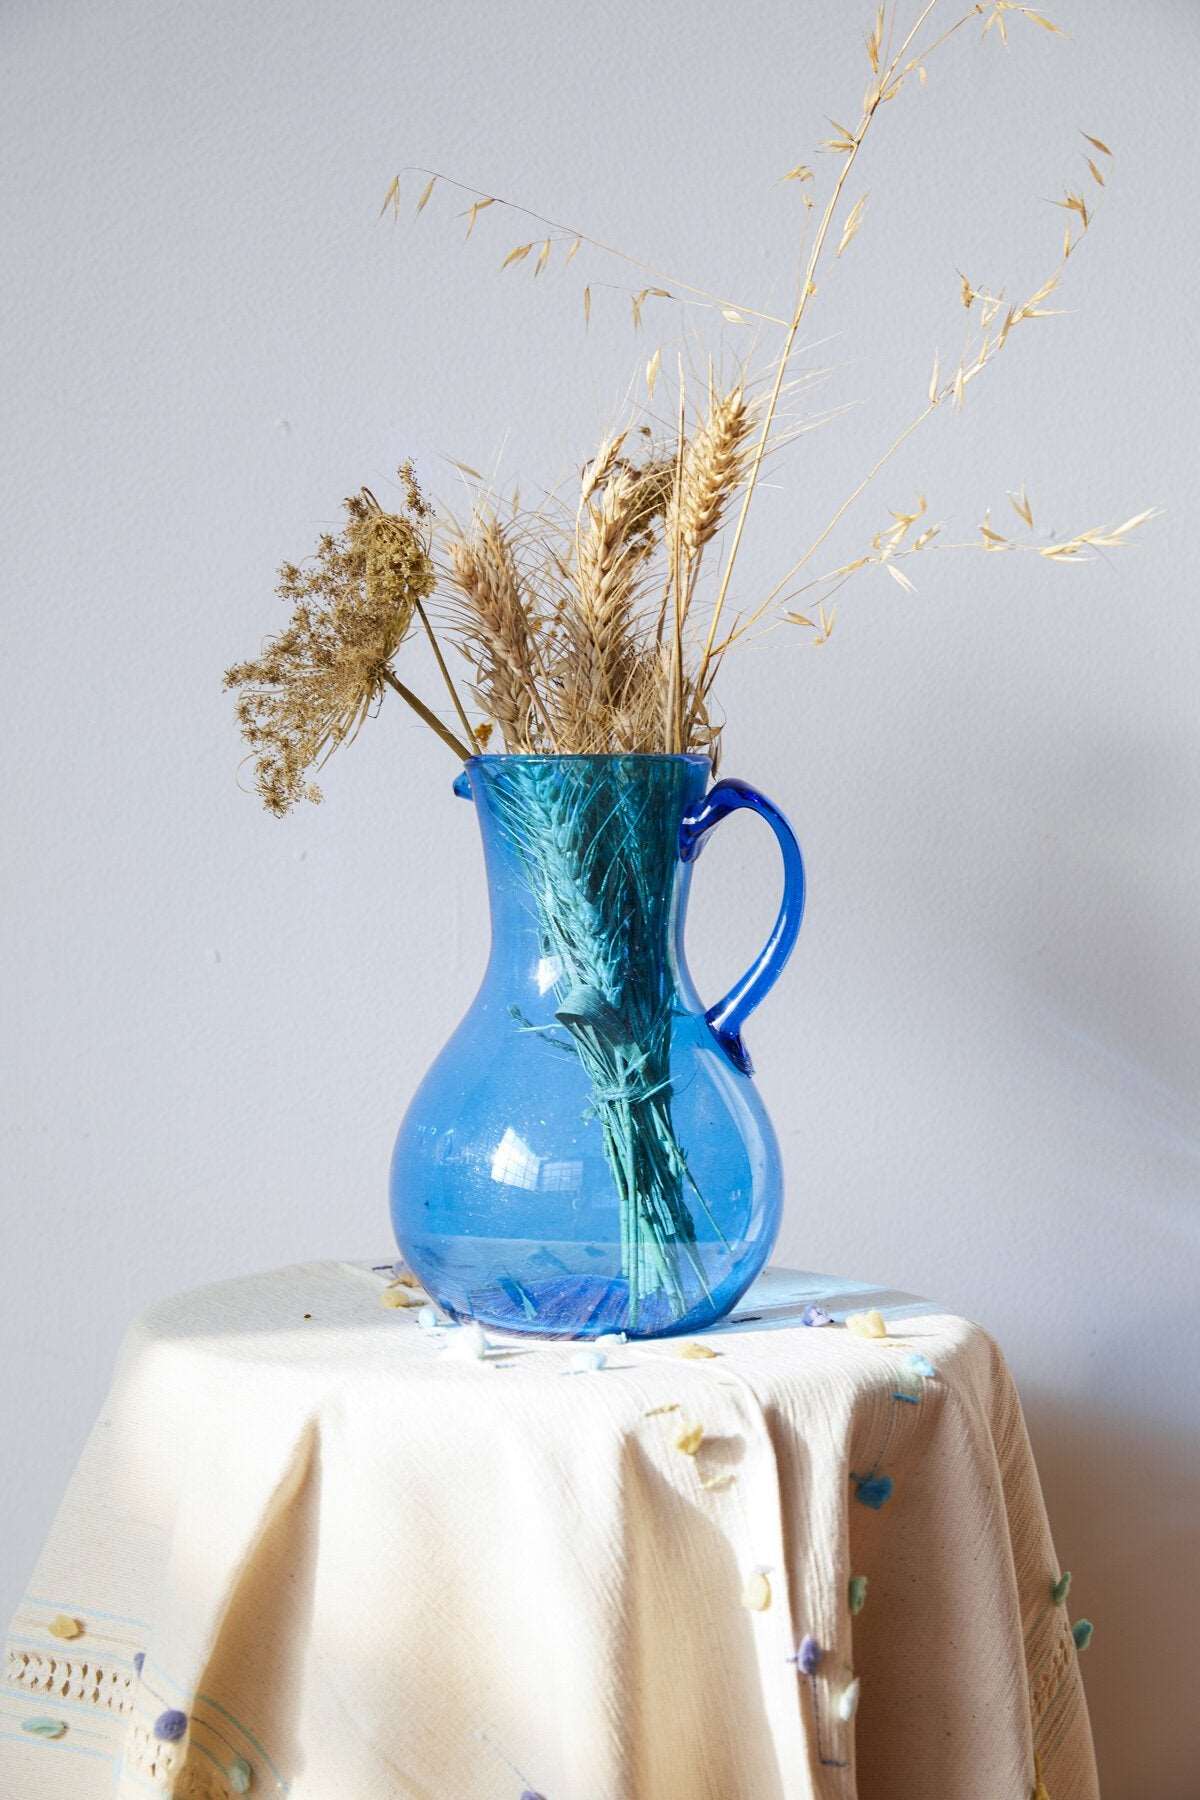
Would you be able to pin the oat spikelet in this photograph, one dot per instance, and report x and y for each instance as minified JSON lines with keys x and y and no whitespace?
{"x":497,"y":630}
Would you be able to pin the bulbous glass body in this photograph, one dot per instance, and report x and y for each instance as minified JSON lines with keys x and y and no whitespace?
{"x":588,"y":1153}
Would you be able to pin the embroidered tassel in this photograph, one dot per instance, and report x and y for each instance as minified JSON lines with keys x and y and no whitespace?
{"x":467,"y":1344}
{"x":756,"y":1594}
{"x":873,"y":1490}
{"x":808,"y":1657}
{"x":868,"y":1324}
{"x":400,"y":1294}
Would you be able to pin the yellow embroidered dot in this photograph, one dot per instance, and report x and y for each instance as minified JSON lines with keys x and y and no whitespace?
{"x":756,"y":1594}
{"x":697,"y":1352}
{"x":869,"y":1324}
{"x":690,"y":1440}
{"x":63,"y":1627}
{"x":400,"y":1296}
{"x":44,"y":1728}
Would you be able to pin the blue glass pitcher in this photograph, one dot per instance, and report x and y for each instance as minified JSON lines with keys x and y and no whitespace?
{"x":588,"y":1154}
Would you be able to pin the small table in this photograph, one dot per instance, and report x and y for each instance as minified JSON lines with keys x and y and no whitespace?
{"x":316,"y":1548}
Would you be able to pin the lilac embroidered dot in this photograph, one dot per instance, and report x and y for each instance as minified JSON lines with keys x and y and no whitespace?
{"x":139,"y":1661}
{"x":816,"y":1315}
{"x":529,"y":1794}
{"x":873,"y":1490}
{"x":808,"y":1657}
{"x":170,"y":1726}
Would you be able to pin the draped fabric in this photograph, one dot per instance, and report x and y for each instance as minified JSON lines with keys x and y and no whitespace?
{"x":310,"y":1551}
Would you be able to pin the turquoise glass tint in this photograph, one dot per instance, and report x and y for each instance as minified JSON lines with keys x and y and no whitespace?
{"x":588,"y":1154}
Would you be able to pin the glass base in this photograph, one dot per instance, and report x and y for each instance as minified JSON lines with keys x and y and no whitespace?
{"x":568,"y":1290}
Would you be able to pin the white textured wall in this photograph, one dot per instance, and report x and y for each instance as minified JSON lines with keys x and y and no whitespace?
{"x":984,"y":1061}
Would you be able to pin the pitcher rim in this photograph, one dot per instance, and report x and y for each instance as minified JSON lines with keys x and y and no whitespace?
{"x":599,"y":756}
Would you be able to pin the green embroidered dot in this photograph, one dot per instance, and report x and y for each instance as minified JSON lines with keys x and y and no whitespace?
{"x":858,"y":1593}
{"x":44,"y":1728}
{"x":1082,"y":1631}
{"x":241,"y":1775}
{"x":1061,"y":1588}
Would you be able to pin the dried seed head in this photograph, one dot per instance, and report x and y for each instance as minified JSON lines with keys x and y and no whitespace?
{"x":315,"y":683}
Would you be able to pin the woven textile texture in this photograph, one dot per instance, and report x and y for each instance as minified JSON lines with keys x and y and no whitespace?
{"x":311,"y":1551}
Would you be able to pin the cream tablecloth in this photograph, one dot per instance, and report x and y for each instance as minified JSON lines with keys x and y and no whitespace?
{"x":345,"y":1565}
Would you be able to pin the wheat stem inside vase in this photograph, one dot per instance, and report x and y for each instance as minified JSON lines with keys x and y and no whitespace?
{"x":603,"y":917}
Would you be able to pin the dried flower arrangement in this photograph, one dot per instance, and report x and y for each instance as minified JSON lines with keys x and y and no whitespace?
{"x":597,"y":625}
{"x":588,"y":626}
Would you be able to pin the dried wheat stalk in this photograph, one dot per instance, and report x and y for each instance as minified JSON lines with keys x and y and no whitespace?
{"x":496,"y":629}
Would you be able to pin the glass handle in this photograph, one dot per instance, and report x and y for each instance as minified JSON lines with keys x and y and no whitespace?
{"x":731,"y":1012}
